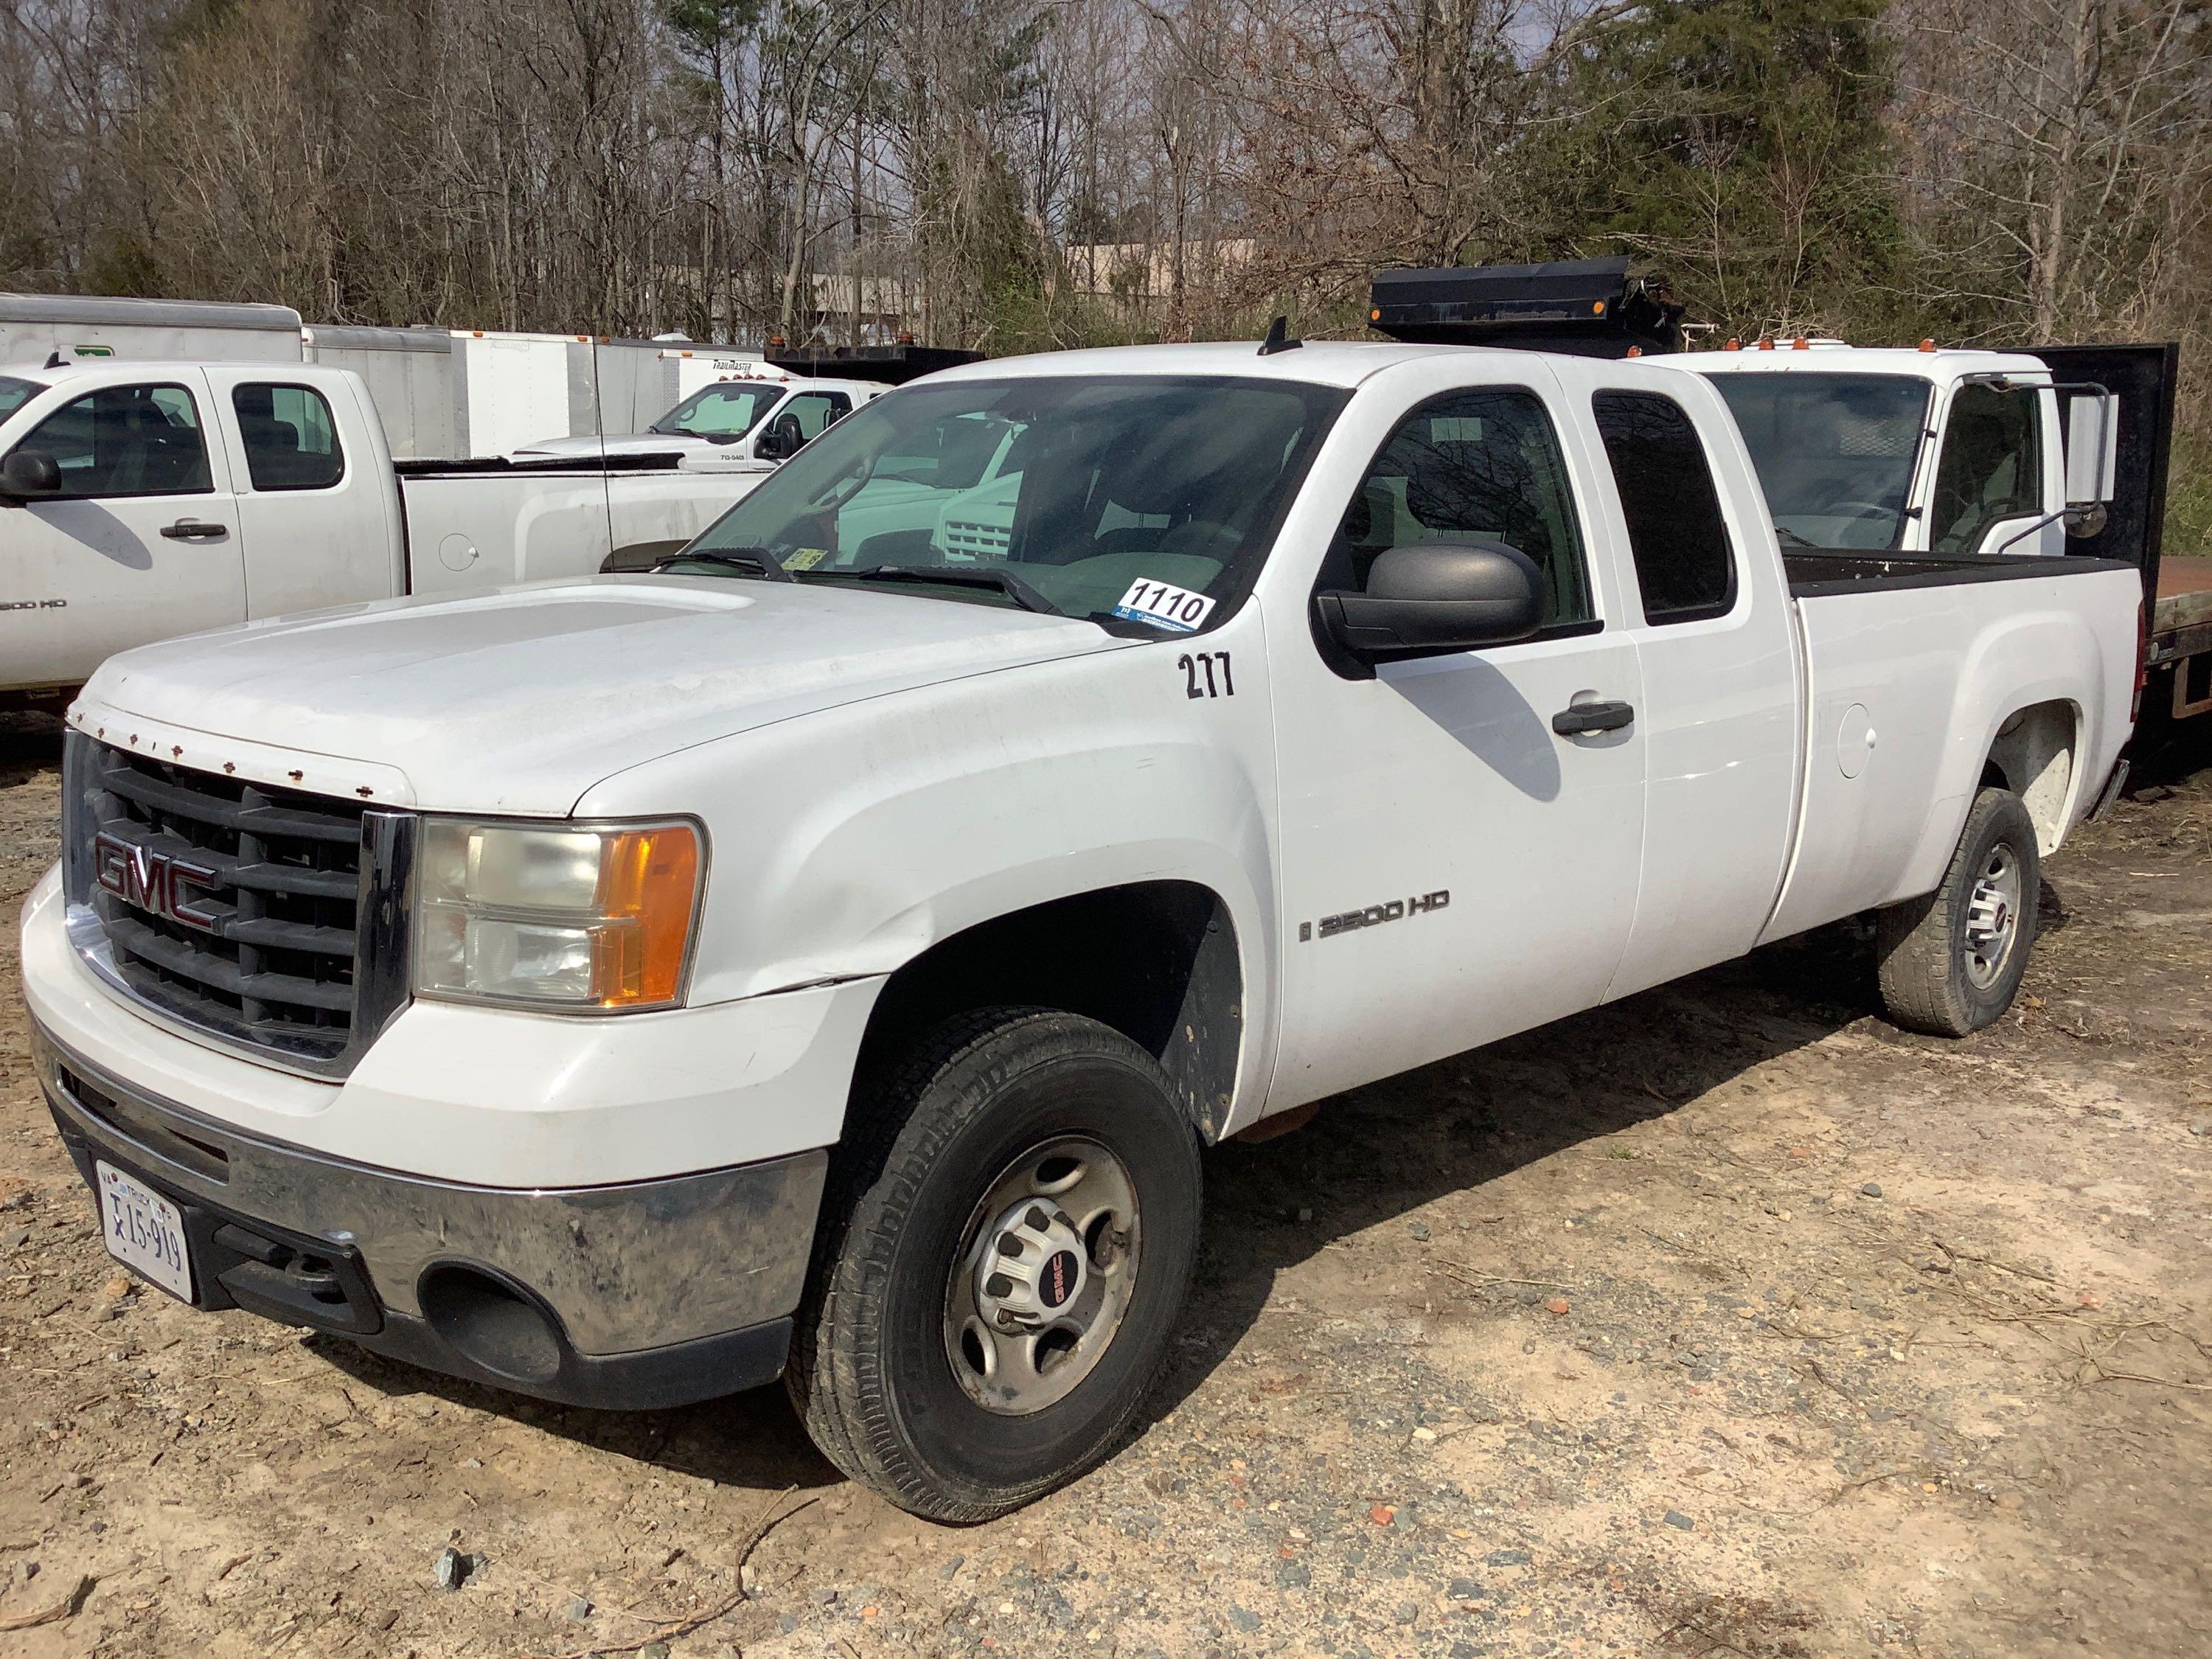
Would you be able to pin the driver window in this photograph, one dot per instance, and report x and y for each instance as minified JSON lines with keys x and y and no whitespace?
{"x":1470,"y":463}
{"x":810,"y":412}
{"x":1991,"y":467}
{"x":126,"y":441}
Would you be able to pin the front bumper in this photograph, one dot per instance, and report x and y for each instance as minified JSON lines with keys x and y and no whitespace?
{"x":645,"y":1294}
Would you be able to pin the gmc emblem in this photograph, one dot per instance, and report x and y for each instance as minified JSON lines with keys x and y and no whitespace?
{"x":152,"y":881}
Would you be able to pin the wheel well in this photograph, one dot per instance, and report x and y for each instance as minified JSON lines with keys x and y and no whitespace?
{"x":1157,"y":961}
{"x":2033,"y":757}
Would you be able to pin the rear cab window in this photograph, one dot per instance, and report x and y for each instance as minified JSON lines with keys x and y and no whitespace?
{"x":1679,"y":541}
{"x":291,"y":442}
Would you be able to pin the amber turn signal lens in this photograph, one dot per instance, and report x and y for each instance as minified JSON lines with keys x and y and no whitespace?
{"x":652,"y":879}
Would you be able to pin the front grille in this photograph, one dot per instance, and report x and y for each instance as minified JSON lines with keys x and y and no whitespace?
{"x":285,"y":935}
{"x":985,"y":541}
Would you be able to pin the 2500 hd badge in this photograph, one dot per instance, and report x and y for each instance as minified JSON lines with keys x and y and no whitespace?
{"x":1375,"y":915}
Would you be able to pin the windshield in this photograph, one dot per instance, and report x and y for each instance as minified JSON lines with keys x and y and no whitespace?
{"x":14,"y":393}
{"x":1835,"y":453}
{"x":1147,"y":501}
{"x":726,"y":410}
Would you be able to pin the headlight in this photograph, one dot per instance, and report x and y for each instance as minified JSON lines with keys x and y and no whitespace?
{"x":556,"y":915}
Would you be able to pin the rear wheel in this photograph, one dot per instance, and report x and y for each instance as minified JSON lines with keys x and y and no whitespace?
{"x":1004,"y":1252}
{"x":1952,"y":962}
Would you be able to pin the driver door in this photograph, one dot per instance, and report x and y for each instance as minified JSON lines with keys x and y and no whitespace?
{"x":1453,"y":869}
{"x":142,"y":544}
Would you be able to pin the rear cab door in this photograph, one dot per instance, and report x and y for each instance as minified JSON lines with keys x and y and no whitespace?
{"x":317,"y":501}
{"x":1715,"y":633}
{"x":142,"y":542}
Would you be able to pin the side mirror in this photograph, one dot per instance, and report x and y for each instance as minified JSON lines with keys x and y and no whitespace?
{"x":2092,"y":454}
{"x":1439,"y":596}
{"x":29,"y":474}
{"x":781,"y":441}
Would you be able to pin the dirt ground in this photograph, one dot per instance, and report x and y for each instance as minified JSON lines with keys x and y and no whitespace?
{"x":1728,"y":1319}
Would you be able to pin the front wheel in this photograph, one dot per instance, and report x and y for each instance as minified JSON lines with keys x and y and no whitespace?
{"x":1004,"y":1251}
{"x":1952,"y":962}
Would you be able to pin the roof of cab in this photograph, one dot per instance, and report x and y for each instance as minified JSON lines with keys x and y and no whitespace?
{"x":1834,"y":357}
{"x":1322,"y":363}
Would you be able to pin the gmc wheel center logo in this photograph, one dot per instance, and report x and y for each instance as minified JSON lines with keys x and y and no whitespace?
{"x":1060,"y":1275}
{"x":151,"y":881}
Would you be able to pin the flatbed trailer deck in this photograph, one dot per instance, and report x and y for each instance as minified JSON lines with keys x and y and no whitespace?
{"x":2180,"y":632}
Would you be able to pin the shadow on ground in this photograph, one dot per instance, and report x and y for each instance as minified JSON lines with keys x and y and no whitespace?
{"x":1371,"y":1155}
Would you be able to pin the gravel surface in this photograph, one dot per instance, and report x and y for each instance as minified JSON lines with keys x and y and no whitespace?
{"x":1727,"y":1319}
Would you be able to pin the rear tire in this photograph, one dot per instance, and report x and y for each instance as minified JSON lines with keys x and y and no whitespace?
{"x":918,"y":1370}
{"x":1952,"y":961}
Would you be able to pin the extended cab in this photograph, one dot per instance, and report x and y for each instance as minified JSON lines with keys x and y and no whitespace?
{"x":140,"y":501}
{"x":829,"y":955}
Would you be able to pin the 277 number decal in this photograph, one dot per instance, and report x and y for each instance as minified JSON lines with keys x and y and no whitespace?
{"x":1193,"y":663}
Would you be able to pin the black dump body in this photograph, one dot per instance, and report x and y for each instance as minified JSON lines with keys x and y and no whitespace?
{"x":892,"y":365}
{"x":1588,"y":307}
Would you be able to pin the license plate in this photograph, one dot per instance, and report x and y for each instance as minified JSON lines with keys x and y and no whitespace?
{"x":145,"y":1231}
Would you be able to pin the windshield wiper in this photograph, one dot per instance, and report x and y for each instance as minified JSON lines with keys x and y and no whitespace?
{"x":1005,"y":580}
{"x":755,"y":561}
{"x":1789,"y":535}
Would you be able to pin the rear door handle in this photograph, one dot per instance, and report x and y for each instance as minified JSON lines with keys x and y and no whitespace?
{"x":193,"y":529}
{"x":1586,"y":717}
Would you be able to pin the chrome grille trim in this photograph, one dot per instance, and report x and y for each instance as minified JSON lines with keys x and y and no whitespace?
{"x":304,"y":958}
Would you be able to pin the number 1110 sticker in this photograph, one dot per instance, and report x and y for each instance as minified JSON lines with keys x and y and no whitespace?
{"x":1163,"y":607}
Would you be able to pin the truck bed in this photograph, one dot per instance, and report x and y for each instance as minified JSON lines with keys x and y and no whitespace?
{"x":1814,"y":572}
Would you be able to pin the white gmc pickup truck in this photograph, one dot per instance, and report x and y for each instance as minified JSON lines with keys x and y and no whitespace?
{"x":830,"y":955}
{"x":139,"y":500}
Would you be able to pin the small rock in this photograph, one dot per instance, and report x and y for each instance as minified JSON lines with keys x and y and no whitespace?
{"x":578,"y":1610}
{"x":1382,"y":1515}
{"x":1871,"y":1188}
{"x":787,"y":1623}
{"x":653,"y":1650}
{"x":1246,"y":1621}
{"x":1508,"y":1558}
{"x":1304,"y":1213}
{"x":827,"y":1595}
{"x":2203,"y":1129}
{"x":1419,"y":1231}
{"x":1293,"y":1575}
{"x":1405,"y":1612}
{"x":1466,"y":1590}
{"x":15,"y":1238}
{"x":118,"y":1286}
{"x":75,"y":1481}
{"x":453,"y":1570}
{"x":26,"y":1570}
{"x":1557,"y":1304}
{"x":1675,"y":1518}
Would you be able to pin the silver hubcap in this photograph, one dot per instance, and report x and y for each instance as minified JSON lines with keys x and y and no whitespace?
{"x":1993,"y":917}
{"x":1046,"y":1269}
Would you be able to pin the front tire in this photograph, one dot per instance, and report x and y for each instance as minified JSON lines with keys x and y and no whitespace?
{"x":1952,"y":962}
{"x":1004,"y":1251}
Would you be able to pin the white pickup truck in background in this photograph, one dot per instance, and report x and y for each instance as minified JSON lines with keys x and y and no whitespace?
{"x":828,"y":954}
{"x":754,"y":413}
{"x":140,"y":501}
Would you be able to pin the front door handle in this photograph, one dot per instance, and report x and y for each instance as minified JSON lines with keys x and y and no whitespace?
{"x":193,"y":530}
{"x":1583,"y":718}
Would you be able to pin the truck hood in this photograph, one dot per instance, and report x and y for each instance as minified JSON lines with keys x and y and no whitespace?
{"x":619,"y":443}
{"x":518,"y":701}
